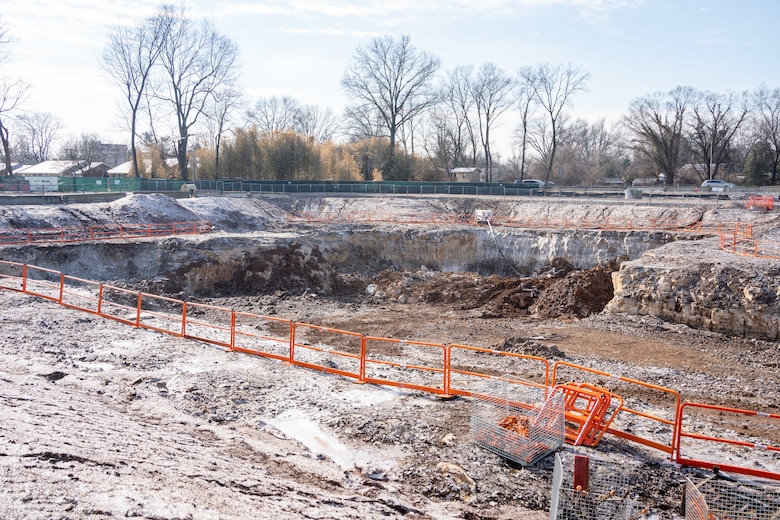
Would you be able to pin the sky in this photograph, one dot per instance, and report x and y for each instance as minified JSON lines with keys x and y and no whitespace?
{"x":301,"y":48}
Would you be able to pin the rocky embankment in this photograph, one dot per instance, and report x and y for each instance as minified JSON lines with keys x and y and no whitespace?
{"x":697,"y":284}
{"x":258,"y":247}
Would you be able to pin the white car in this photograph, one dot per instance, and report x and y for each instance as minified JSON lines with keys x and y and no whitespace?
{"x":716,"y":183}
{"x":532,"y":183}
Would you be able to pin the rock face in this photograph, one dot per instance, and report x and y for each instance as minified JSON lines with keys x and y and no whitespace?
{"x":697,"y":284}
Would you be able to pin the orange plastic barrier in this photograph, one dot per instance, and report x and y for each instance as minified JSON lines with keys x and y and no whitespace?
{"x":312,"y":347}
{"x":659,"y":430}
{"x":588,"y":411}
{"x":471,"y":366}
{"x":254,"y":334}
{"x":101,"y":232}
{"x":756,"y":202}
{"x":403,"y":363}
{"x":719,"y":446}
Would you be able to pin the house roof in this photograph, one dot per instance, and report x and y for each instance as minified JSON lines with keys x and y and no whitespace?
{"x":465,"y":170}
{"x":55,"y":168}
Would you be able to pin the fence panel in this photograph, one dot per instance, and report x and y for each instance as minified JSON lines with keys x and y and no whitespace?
{"x":122,"y":305}
{"x":711,"y":435}
{"x":328,"y":350}
{"x":470,"y":366}
{"x":80,"y":294}
{"x":162,"y":314}
{"x":262,"y":336}
{"x":649,"y":412}
{"x":208,"y":323}
{"x":407,"y":364}
{"x":42,"y":282}
{"x":12,"y":275}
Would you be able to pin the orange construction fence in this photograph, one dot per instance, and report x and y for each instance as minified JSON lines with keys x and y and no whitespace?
{"x":766,"y":203}
{"x":718,"y":448}
{"x":593,"y":407}
{"x":648,"y":415}
{"x":100,"y":232}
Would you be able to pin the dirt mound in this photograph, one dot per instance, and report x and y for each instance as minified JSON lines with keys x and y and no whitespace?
{"x":558,"y":290}
{"x":577,"y":295}
{"x":497,"y":296}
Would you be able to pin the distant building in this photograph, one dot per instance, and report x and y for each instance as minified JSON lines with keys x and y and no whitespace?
{"x":467,"y":175}
{"x":56,"y":169}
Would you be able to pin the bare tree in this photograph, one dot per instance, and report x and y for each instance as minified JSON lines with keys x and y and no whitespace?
{"x":86,"y":147}
{"x":655,"y":122}
{"x":492,"y":93}
{"x":767,"y":121}
{"x":714,"y":119}
{"x":526,"y":89}
{"x":316,"y":124}
{"x":197,"y":60}
{"x":392,"y":79}
{"x":129,"y":58}
{"x":274,"y":114}
{"x":38,"y":132}
{"x":460,"y":103}
{"x":13,"y":92}
{"x":224,"y":101}
{"x":556,"y":85}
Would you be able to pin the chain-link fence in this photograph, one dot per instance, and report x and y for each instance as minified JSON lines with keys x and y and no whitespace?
{"x":595,"y":490}
{"x":719,"y":499}
{"x":523,"y":424}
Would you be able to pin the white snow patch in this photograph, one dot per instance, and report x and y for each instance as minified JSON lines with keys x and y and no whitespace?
{"x":295,"y":424}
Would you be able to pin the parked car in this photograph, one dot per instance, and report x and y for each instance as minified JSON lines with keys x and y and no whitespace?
{"x":535,"y":184}
{"x":717,"y":183}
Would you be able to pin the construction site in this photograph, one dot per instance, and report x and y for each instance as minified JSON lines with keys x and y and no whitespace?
{"x":418,"y":357}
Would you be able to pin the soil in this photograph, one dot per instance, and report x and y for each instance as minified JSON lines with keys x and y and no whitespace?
{"x":105,"y":420}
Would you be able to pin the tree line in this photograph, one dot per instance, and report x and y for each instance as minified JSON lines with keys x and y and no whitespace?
{"x":406,"y":119}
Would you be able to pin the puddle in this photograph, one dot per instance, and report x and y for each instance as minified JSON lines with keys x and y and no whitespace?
{"x":297,"y":425}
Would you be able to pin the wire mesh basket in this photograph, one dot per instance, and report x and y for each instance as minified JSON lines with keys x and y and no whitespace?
{"x":718,"y":499}
{"x":523,"y":424}
{"x":602,"y":491}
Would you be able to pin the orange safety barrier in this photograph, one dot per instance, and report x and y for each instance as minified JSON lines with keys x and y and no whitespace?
{"x":312,"y":347}
{"x":218,"y":330}
{"x":757,"y":202}
{"x":12,"y":275}
{"x":101,"y":232}
{"x":590,"y":410}
{"x":253,"y":334}
{"x":658,"y":427}
{"x":42,"y":282}
{"x":471,"y":366}
{"x":724,"y":448}
{"x":403,"y":363}
{"x":741,"y":242}
{"x":616,"y":224}
{"x":80,"y":294}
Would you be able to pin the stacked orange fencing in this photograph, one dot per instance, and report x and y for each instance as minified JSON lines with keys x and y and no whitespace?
{"x":101,"y":232}
{"x":443,"y":370}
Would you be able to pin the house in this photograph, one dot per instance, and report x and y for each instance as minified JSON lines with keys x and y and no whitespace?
{"x":95,"y":169}
{"x":56,"y":169}
{"x":16,"y":168}
{"x":467,"y":175}
{"x":123,"y":170}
